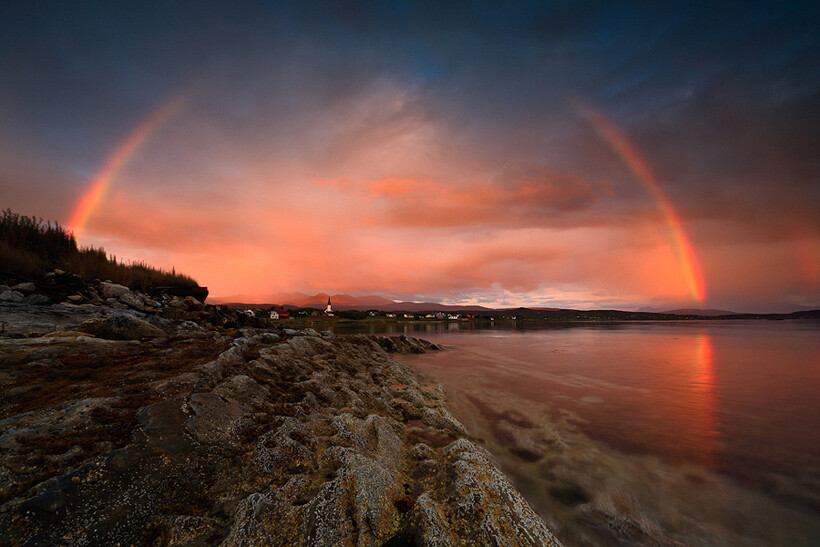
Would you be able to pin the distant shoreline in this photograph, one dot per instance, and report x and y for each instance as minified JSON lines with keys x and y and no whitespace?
{"x":522,"y":314}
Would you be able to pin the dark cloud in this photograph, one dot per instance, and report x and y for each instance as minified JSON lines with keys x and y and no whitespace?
{"x":470,"y":101}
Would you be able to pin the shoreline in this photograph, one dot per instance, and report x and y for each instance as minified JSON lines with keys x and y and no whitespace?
{"x":174,"y":432}
{"x":573,"y":467}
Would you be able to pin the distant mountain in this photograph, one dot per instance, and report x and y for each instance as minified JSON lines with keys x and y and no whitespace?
{"x":702,"y":313}
{"x":343,"y":302}
{"x":278,"y":299}
{"x":417,"y":307}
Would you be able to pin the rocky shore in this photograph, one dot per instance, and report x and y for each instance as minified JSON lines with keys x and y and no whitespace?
{"x":129,"y":420}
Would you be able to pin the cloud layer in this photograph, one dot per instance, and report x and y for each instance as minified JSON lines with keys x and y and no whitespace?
{"x":430,"y":151}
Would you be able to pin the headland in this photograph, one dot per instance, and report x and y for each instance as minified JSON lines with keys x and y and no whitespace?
{"x":132,"y":419}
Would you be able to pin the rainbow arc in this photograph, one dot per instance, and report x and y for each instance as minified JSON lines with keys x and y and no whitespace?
{"x":94,"y":193}
{"x":639,"y":167}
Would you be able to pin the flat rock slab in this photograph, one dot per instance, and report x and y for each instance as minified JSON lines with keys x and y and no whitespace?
{"x":271,"y":438}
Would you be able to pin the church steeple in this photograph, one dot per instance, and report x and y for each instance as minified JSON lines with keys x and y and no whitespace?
{"x":329,"y":310}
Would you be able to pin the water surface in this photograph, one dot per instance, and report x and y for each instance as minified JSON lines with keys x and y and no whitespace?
{"x":698,"y":432}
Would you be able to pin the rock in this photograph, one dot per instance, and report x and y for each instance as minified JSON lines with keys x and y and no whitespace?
{"x":132,"y":300}
{"x":11,"y":296}
{"x":36,"y":300}
{"x":192,"y":304}
{"x":191,"y":530}
{"x":305,"y":346}
{"x":269,"y":337}
{"x":65,"y":334}
{"x":27,"y":287}
{"x":112,"y":290}
{"x":74,"y":298}
{"x":218,"y":415}
{"x":376,"y":436}
{"x":356,"y":505}
{"x":286,"y":449}
{"x":189,"y":303}
{"x":213,"y":370}
{"x":189,"y":327}
{"x":120,"y":327}
{"x":482,"y":504}
{"x":442,"y":419}
{"x":254,"y":447}
{"x":150,"y":302}
{"x":406,"y":344}
{"x":422,"y":452}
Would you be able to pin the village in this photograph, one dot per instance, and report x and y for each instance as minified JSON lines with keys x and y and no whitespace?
{"x":277,"y":312}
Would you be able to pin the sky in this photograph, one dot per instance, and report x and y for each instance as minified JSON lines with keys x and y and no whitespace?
{"x":555,"y":154}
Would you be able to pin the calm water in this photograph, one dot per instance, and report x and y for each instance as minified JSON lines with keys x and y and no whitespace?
{"x":698,"y":432}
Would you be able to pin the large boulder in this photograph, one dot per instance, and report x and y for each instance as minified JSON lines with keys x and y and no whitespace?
{"x":11,"y":296}
{"x":120,"y":327}
{"x":133,"y":300}
{"x":189,"y":303}
{"x":112,"y":290}
{"x":36,"y":299}
{"x":27,"y":287}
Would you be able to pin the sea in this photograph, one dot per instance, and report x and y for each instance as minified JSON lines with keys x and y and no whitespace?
{"x":644,"y":433}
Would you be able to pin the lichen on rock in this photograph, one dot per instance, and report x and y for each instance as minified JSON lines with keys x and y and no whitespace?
{"x":199,"y":436}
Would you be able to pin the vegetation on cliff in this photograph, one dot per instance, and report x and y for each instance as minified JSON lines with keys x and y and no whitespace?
{"x":31,"y":246}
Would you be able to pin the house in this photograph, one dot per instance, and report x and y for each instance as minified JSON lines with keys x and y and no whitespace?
{"x":408,"y":316}
{"x":453,"y":316}
{"x":278,"y":312}
{"x":390,"y":315}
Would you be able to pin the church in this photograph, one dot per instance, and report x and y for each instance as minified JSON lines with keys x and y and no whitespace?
{"x":329,"y":310}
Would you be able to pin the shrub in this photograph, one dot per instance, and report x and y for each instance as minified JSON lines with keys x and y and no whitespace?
{"x":30,"y":247}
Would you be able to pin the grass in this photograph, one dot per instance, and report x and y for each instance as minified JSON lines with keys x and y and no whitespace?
{"x":30,"y":247}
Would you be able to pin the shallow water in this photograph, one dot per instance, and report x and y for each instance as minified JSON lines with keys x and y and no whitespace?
{"x":643,"y":433}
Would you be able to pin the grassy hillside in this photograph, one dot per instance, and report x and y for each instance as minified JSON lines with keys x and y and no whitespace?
{"x":30,"y":247}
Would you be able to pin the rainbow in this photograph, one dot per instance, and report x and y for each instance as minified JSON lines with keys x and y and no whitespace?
{"x":640,"y":168}
{"x":126,"y":149}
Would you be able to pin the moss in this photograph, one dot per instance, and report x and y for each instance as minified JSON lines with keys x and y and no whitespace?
{"x":49,"y":444}
{"x":115,"y":370}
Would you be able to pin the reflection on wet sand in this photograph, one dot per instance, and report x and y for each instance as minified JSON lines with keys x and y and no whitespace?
{"x":618,"y":457}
